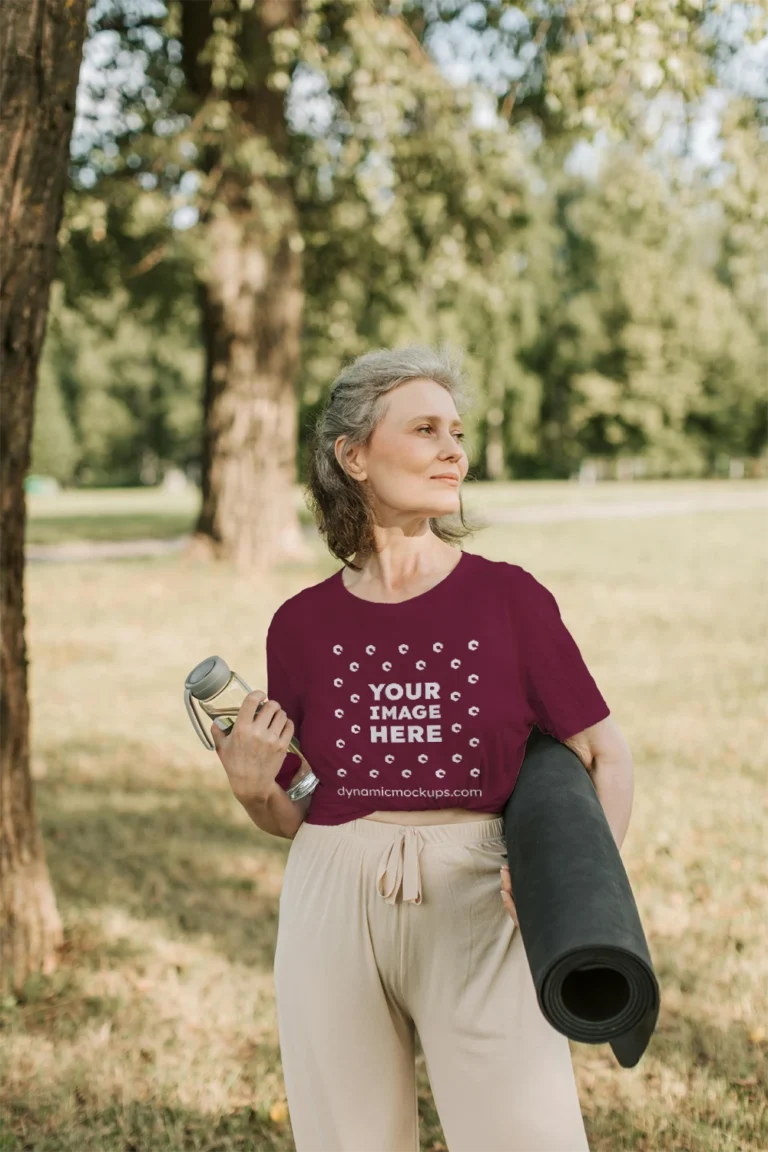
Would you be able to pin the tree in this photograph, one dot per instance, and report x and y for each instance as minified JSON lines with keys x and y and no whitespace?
{"x":649,"y":350}
{"x":398,"y":174}
{"x":40,"y":55}
{"x":336,"y":128}
{"x":251,"y":295}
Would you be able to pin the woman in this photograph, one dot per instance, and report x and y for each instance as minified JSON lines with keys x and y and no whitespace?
{"x":412,"y":678}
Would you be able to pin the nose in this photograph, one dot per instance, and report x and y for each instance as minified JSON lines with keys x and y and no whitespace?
{"x":399,"y":867}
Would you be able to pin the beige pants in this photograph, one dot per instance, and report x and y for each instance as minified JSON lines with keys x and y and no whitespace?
{"x":386,"y":928}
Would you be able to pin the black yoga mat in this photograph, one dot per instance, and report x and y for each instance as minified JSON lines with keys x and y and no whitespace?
{"x":575,"y":910}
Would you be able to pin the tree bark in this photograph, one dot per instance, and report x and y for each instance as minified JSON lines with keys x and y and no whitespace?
{"x":252,"y":301}
{"x":251,"y":309}
{"x":40,"y":53}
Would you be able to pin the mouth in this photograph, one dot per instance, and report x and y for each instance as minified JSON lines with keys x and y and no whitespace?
{"x":447,"y":479}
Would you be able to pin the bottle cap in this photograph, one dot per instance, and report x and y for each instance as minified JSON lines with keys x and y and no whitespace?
{"x":208,"y":677}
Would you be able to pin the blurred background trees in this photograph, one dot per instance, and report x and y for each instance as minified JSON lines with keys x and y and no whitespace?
{"x":575,"y":193}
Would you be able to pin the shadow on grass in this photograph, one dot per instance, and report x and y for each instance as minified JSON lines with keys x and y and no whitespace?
{"x":114,"y":526}
{"x":691,"y":1039}
{"x":137,"y":1126}
{"x":101,"y":528}
{"x":175,"y":852}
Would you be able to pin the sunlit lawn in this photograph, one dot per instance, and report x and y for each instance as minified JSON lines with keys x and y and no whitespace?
{"x":158,"y":1032}
{"x":131,"y":513}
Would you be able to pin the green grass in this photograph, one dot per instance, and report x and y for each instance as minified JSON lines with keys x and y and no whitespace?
{"x":110,"y":514}
{"x":158,"y":1031}
{"x":151,"y":513}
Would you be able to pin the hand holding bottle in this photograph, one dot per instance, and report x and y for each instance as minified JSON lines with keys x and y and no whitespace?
{"x":255,"y":748}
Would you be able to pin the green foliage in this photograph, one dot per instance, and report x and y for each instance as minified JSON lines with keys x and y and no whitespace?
{"x":54,"y":450}
{"x":131,"y":389}
{"x":650,"y":347}
{"x":621,"y":314}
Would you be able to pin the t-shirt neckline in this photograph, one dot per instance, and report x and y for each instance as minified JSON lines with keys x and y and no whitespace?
{"x":442,"y":586}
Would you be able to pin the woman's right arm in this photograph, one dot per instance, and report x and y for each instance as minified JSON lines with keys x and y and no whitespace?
{"x":277,"y":813}
{"x":252,"y":753}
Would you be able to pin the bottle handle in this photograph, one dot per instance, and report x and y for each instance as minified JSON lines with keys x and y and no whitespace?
{"x":204,"y":737}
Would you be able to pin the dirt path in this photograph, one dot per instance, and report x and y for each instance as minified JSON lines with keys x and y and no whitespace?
{"x":531,"y":513}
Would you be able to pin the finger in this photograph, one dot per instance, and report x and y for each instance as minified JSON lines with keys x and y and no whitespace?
{"x":249,"y":710}
{"x":269,"y":708}
{"x":509,"y":904}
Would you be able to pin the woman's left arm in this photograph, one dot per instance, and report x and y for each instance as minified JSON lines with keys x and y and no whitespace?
{"x":605,"y":754}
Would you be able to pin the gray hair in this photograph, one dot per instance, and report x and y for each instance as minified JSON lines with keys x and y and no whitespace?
{"x":338,"y":503}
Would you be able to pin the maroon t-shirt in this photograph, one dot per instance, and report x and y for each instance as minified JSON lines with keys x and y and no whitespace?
{"x":426,"y":704}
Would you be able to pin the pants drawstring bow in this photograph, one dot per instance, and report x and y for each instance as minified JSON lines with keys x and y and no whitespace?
{"x":399,"y":865}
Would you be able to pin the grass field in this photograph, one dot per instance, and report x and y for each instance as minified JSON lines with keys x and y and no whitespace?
{"x":158,"y":1032}
{"x":151,"y":513}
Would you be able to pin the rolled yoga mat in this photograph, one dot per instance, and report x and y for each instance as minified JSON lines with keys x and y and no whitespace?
{"x":576,"y":913}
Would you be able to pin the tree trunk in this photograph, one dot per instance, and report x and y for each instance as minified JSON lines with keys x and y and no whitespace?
{"x":40,"y":54}
{"x":251,"y":306}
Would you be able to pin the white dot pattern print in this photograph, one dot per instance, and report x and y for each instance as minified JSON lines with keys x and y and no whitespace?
{"x":405,"y":708}
{"x":427,"y":703}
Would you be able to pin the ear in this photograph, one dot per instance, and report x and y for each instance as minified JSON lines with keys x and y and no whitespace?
{"x":354,"y":460}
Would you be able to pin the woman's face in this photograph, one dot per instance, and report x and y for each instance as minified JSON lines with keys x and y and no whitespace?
{"x":418,"y":437}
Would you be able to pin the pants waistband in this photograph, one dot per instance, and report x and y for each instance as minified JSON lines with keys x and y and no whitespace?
{"x":398,"y":868}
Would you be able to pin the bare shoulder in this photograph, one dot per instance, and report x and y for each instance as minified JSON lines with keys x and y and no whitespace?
{"x":602,"y":739}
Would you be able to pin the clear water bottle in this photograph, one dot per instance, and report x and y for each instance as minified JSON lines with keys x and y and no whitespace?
{"x":212,"y":691}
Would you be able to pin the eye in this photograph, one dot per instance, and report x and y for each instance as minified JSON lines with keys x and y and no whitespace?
{"x":459,"y":435}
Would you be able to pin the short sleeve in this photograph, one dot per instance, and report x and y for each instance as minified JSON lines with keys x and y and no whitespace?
{"x":561,"y":691}
{"x":282,"y":688}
